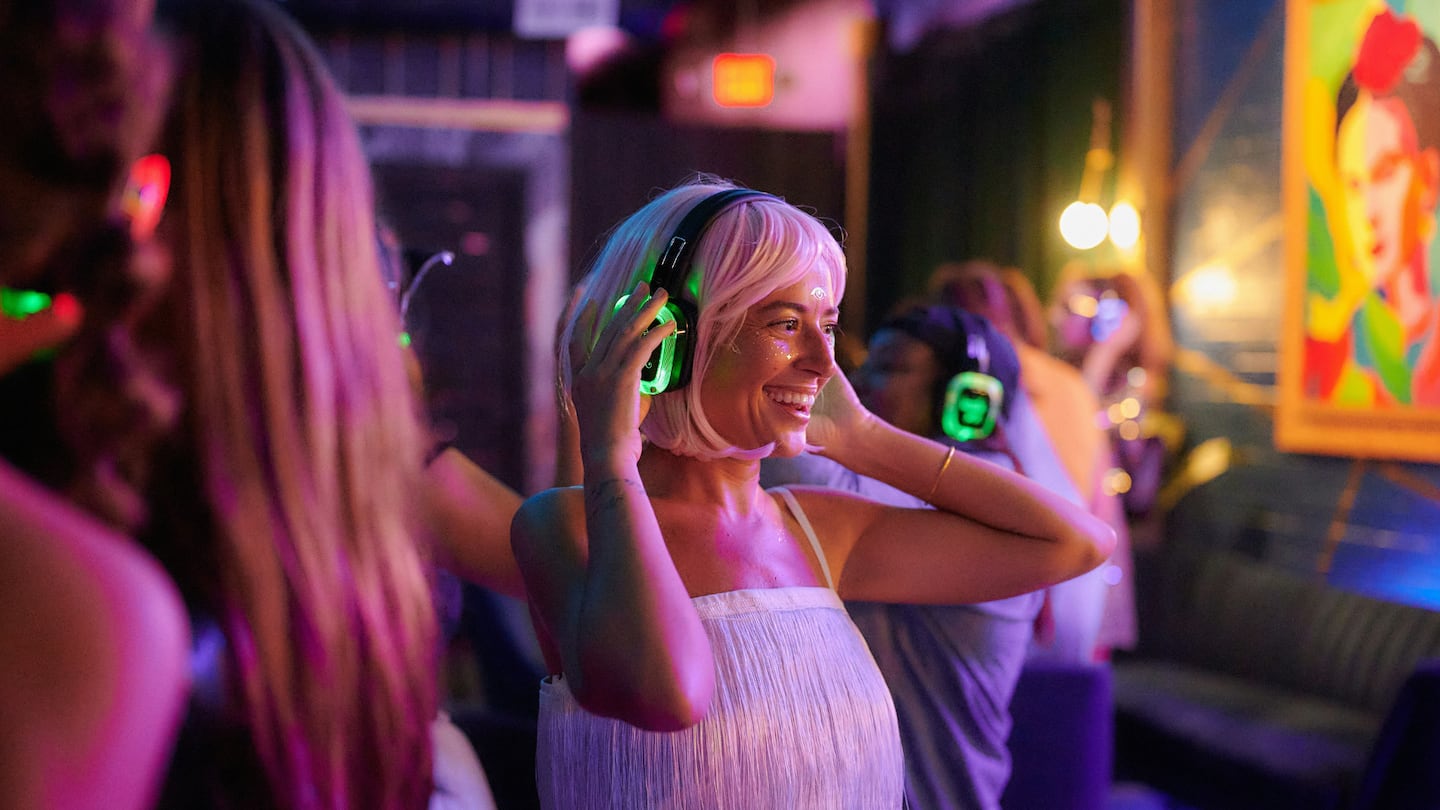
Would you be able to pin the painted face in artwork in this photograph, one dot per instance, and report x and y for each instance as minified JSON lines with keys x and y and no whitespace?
{"x":1389,"y":186}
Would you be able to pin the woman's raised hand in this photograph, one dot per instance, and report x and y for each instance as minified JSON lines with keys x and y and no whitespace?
{"x":606,"y":387}
{"x":837,"y":415}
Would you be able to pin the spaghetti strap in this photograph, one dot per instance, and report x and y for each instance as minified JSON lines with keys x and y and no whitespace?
{"x":804,"y":522}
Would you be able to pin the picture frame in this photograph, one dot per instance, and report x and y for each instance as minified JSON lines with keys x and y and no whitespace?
{"x":1359,"y":371}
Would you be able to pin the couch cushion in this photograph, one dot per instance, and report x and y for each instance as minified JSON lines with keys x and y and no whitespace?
{"x":1232,"y":614}
{"x":1224,"y":741}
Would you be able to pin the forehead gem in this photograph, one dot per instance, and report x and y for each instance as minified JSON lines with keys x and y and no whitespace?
{"x":818,"y":294}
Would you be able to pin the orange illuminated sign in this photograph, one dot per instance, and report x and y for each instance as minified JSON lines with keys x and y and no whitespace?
{"x":743,"y":79}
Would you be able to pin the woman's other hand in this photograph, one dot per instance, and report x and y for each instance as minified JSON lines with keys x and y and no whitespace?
{"x":836,"y":417}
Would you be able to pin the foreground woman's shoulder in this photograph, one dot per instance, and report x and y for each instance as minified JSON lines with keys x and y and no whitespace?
{"x":548,"y":510}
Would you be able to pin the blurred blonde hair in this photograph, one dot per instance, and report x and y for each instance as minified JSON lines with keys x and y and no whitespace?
{"x":1027,"y":314}
{"x":283,"y":503}
{"x":1003,"y":295}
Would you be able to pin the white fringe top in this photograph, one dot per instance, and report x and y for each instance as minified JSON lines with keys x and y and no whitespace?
{"x":801,"y":718}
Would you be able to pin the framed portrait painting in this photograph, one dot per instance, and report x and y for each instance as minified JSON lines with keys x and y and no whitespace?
{"x":1360,"y":348}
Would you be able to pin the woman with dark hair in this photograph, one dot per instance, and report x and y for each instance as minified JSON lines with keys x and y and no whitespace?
{"x":92,"y":629}
{"x":952,"y":669}
{"x":240,"y":406}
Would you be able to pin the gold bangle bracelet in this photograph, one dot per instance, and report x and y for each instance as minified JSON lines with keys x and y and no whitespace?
{"x":944,"y":465}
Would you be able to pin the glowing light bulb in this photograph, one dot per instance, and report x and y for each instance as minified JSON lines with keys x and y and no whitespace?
{"x":1083,"y":225}
{"x":1116,"y":482}
{"x":1124,"y":225}
{"x":1209,"y":288}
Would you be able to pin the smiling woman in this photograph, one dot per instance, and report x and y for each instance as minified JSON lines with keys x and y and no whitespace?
{"x":774,"y":372}
{"x":673,"y":594}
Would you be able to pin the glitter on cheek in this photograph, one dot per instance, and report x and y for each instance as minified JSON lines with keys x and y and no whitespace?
{"x":782,"y":350}
{"x":757,"y":344}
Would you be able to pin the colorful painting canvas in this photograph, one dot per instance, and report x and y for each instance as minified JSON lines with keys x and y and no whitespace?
{"x":1360,"y":352}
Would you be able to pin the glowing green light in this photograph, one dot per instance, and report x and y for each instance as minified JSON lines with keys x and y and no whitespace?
{"x":647,"y":269}
{"x":22,"y":303}
{"x":693,"y":286}
{"x":659,"y":369}
{"x":974,"y":410}
{"x":403,"y":340}
{"x":971,"y":402}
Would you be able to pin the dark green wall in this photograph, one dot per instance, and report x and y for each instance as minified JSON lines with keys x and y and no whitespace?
{"x":979,"y":140}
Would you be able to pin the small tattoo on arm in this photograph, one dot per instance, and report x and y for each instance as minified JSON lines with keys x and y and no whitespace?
{"x":608,"y":496}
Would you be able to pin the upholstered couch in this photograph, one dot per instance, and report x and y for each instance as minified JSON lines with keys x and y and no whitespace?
{"x":1253,"y":687}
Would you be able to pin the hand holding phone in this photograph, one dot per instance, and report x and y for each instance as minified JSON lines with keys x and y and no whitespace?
{"x":1110,"y":311}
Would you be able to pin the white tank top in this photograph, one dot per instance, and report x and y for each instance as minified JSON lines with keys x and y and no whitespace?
{"x":801,"y":718}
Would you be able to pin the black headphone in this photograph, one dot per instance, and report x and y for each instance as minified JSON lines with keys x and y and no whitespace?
{"x":668,"y":368}
{"x":973,"y":398}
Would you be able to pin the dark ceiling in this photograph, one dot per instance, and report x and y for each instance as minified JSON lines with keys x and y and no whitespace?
{"x":645,"y":19}
{"x":640,"y":17}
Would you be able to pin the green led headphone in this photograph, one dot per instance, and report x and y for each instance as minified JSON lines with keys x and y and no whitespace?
{"x":21,"y":304}
{"x":972,"y":398}
{"x":669,"y":366}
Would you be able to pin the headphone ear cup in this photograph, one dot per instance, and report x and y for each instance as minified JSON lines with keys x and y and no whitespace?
{"x":682,"y":360}
{"x":972,"y":406}
{"x":668,"y":367}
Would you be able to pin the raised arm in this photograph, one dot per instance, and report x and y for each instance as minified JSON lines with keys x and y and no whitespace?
{"x":993,"y":532}
{"x":470,"y":511}
{"x":610,"y":607}
{"x":1102,"y":359}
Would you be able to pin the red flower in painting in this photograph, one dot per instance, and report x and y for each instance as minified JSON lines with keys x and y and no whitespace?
{"x":1389,"y":45}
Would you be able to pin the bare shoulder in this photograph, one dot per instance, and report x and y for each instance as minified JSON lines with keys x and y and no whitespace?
{"x":97,"y":645}
{"x":547,"y":520}
{"x":835,"y":513}
{"x":820,"y":494}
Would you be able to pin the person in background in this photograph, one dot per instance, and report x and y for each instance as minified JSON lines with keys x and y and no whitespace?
{"x":467,"y":509}
{"x":1065,"y":404}
{"x":1111,"y":324}
{"x":1070,"y":620}
{"x":484,"y":628}
{"x":94,"y":632}
{"x":952,"y":669}
{"x":690,"y":619}
{"x":242,"y":410}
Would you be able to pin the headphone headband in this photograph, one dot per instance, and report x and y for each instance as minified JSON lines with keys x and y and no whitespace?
{"x":979,"y":351}
{"x":674,"y":263}
{"x":668,"y":367}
